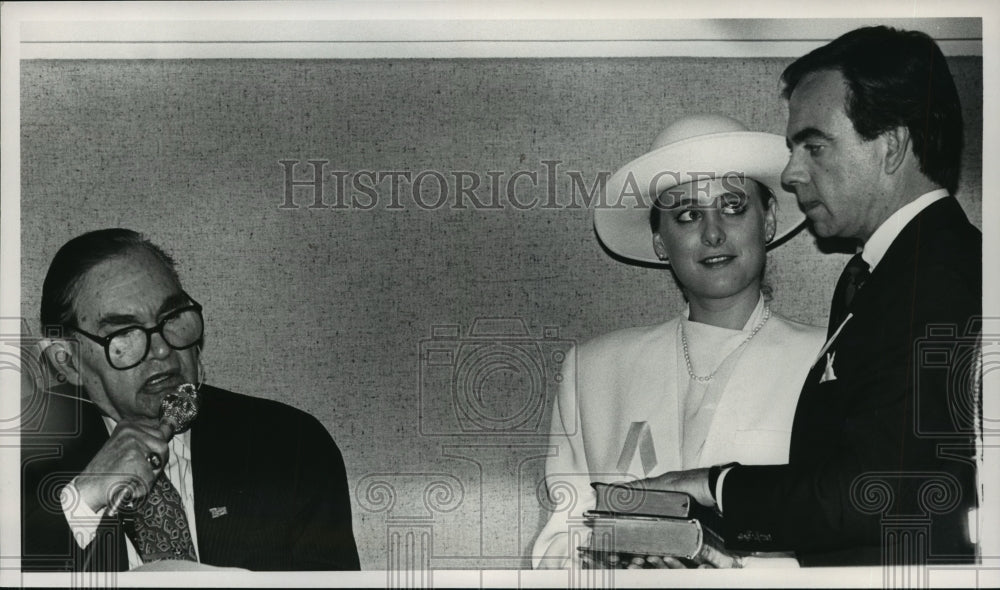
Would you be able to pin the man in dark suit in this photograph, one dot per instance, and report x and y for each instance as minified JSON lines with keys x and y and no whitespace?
{"x":107,"y":486}
{"x":882,"y":460}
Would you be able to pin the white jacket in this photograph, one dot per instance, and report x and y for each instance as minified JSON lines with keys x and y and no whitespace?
{"x":631,"y":376}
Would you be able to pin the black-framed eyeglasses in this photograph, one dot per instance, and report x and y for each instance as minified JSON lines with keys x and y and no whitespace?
{"x":181,"y":329}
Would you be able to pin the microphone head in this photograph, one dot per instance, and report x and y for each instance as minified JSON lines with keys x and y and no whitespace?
{"x":179,"y":408}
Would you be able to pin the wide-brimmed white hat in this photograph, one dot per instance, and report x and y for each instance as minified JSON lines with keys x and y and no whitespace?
{"x":692,"y":149}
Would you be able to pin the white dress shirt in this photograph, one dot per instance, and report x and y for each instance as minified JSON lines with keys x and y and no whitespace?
{"x":83,"y":521}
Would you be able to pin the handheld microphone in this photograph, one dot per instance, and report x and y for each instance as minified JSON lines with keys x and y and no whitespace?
{"x":177,"y":411}
{"x":179,"y":408}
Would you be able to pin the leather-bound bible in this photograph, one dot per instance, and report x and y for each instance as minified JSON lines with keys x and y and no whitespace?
{"x":683,"y":538}
{"x":630,"y":520}
{"x":635,"y":500}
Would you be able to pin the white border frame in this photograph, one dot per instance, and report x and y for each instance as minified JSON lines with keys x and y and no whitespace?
{"x":465,"y":33}
{"x":441,"y":29}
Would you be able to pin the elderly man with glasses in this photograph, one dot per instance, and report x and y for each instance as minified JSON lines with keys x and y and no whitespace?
{"x":108,"y":485}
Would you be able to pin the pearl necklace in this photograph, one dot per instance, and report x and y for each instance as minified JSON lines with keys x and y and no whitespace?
{"x":687,"y":355}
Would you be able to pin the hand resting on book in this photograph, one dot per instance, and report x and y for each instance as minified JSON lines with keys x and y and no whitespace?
{"x":693,"y":482}
{"x":597,"y":560}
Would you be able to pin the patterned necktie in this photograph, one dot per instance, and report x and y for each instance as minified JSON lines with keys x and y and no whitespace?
{"x":854,"y":276}
{"x":161,"y":525}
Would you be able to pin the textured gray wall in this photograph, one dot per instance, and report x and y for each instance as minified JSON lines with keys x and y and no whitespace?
{"x":326,"y":309}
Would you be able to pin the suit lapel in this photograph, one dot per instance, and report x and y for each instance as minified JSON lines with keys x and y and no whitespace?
{"x":822,"y":401}
{"x":215,"y":481}
{"x":903,"y":254}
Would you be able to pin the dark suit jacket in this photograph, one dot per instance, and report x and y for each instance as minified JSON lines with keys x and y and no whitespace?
{"x":885,"y":449}
{"x":274,"y":469}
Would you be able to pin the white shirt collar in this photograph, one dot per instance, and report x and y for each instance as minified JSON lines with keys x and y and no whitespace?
{"x":876,"y":246}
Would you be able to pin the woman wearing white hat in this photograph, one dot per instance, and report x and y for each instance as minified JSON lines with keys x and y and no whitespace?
{"x":716,"y":385}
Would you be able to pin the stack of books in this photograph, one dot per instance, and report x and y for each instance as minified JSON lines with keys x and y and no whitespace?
{"x":633,"y":521}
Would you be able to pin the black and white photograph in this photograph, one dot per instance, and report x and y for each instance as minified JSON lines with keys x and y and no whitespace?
{"x":512,"y":294}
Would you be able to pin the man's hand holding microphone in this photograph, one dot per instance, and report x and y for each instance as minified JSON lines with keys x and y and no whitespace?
{"x":124,"y":469}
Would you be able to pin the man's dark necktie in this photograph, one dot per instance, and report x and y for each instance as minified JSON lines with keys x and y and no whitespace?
{"x":161,"y":528}
{"x":854,"y":276}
